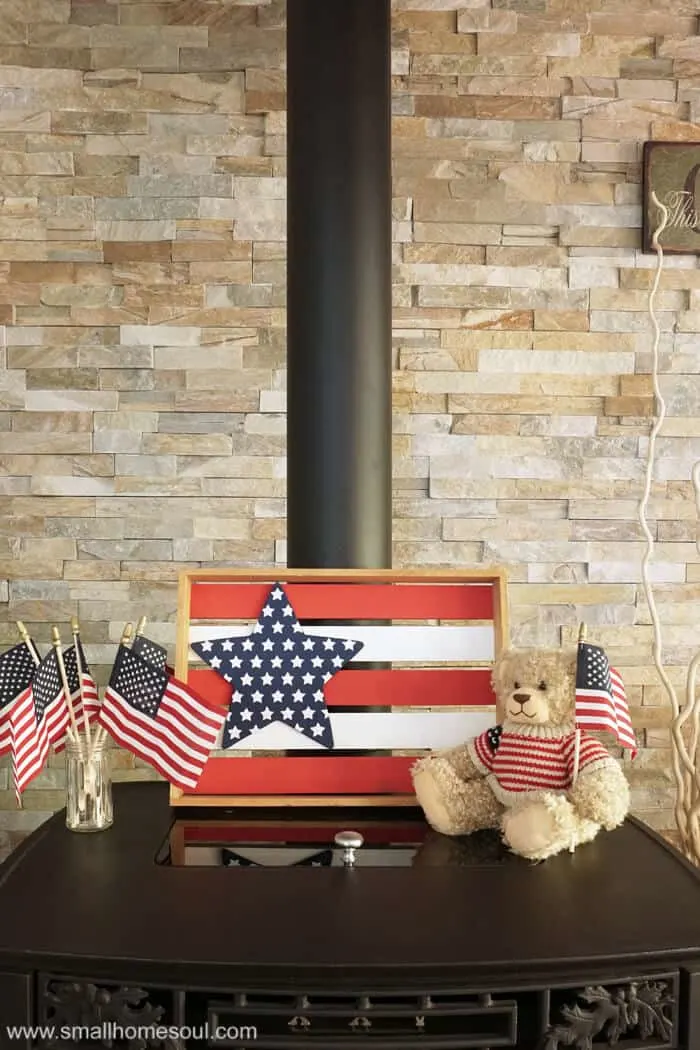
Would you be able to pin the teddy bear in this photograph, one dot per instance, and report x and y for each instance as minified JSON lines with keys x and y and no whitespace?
{"x":530,"y":776}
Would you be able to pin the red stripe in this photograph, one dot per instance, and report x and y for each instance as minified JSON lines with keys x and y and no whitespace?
{"x":229,"y":833}
{"x":306,"y":776}
{"x":347,"y":601}
{"x":400,"y":688}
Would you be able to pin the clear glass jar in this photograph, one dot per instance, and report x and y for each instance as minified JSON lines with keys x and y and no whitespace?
{"x":88,"y":786}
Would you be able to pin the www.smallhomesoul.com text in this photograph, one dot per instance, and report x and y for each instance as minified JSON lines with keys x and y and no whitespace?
{"x":113,"y":1031}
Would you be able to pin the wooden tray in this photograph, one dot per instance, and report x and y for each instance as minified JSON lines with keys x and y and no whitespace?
{"x":421,"y":681}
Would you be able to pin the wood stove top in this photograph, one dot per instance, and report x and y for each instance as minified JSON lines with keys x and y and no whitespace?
{"x":459,"y":907}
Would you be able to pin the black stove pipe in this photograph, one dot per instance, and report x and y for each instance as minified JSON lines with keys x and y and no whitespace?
{"x":339,"y":283}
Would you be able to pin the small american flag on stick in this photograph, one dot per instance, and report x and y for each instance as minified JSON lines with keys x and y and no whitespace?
{"x":17,"y":668}
{"x":159,"y":719}
{"x":84,"y":696}
{"x":601,"y":701}
{"x":37,"y":721}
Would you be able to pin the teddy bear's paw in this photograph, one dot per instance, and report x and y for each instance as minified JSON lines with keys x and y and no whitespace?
{"x":541,"y":829}
{"x":453,"y":806}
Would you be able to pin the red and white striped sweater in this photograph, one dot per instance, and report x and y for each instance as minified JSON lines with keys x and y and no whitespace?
{"x":519,"y":759}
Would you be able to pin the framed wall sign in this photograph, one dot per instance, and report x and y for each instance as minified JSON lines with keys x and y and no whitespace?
{"x":335,"y":681}
{"x":672,"y":172}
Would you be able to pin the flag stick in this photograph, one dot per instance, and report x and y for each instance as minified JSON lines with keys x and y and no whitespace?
{"x":101,"y":733}
{"x":24,"y":635}
{"x":75,"y":736}
{"x":577,"y":738}
{"x":75,"y":629}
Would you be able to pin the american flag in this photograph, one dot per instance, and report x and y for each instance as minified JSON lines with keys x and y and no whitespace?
{"x":601,"y":701}
{"x":89,"y":701}
{"x":151,"y":652}
{"x":17,"y":668}
{"x":37,"y":721}
{"x":277,"y":673}
{"x":159,"y":719}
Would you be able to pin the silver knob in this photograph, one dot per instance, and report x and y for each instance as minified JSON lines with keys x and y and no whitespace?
{"x":349,"y":841}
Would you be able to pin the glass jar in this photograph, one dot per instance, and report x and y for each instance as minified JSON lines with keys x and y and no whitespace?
{"x":88,"y":786}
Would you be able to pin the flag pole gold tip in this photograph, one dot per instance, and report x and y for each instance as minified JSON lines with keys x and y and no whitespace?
{"x":55,"y":636}
{"x":582,"y":633}
{"x":75,"y":625}
{"x":126,"y":635}
{"x":141,"y":626}
{"x":24,"y":633}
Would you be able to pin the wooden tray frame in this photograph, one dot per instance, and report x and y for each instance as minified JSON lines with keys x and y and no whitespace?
{"x":495,"y":576}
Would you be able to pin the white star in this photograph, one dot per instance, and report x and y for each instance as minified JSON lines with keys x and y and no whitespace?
{"x":235,"y":732}
{"x":317,"y":662}
{"x":246,"y":715}
{"x":246,"y":679}
{"x":267,"y":610}
{"x":349,"y":644}
{"x":288,"y":644}
{"x":215,"y":662}
{"x":298,"y":696}
{"x":257,"y":697}
{"x":268,"y":644}
{"x":277,"y":594}
{"x":277,"y":627}
{"x":308,"y":643}
{"x":247,"y":645}
{"x":227,"y":646}
{"x":307,"y":679}
{"x":266,"y":713}
{"x":307,"y":712}
{"x":337,"y":661}
{"x":256,"y":662}
{"x":297,"y":661}
{"x":266,"y":678}
{"x":276,"y":661}
{"x":287,"y":714}
{"x":318,"y":695}
{"x":235,"y":661}
{"x":317,"y":730}
{"x":288,"y":611}
{"x":277,"y":696}
{"x":329,"y":643}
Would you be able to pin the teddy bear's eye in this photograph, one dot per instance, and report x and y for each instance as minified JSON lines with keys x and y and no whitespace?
{"x":516,"y":685}
{"x":542,"y":686}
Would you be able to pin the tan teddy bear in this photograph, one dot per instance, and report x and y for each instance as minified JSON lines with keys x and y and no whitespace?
{"x":519,"y":775}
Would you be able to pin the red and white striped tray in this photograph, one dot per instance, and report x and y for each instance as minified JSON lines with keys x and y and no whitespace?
{"x":437,"y":636}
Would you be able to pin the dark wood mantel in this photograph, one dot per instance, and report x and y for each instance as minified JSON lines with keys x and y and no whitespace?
{"x":98,"y":908}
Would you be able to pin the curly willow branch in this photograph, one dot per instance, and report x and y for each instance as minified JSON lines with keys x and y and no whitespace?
{"x":684,"y":755}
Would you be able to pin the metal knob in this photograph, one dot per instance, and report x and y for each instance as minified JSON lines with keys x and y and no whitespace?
{"x":349,"y":841}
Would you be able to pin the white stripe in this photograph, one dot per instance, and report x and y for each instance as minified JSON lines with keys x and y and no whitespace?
{"x":405,"y":643}
{"x":370,"y":730}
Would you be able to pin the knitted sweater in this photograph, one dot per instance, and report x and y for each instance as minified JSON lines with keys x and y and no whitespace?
{"x":519,"y":759}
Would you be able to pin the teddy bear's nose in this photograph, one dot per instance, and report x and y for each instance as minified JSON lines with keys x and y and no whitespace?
{"x":521,"y":698}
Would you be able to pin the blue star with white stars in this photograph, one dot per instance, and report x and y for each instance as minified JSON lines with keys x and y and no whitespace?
{"x":277,"y":673}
